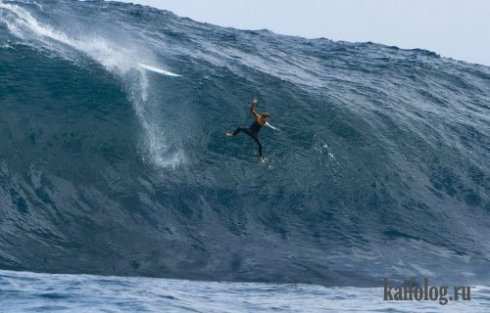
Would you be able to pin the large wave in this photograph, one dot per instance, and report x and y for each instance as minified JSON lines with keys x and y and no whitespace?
{"x":113,"y":157}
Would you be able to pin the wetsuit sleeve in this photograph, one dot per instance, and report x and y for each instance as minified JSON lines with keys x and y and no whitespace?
{"x":253,"y":110}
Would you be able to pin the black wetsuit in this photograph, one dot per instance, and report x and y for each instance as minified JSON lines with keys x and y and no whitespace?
{"x":252,"y":131}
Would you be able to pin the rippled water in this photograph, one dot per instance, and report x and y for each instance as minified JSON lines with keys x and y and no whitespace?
{"x":29,"y":292}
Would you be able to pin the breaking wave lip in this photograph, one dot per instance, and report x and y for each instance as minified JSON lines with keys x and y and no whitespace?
{"x":121,"y":60}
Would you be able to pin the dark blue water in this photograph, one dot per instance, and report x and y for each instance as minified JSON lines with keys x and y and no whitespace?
{"x":381,"y":167}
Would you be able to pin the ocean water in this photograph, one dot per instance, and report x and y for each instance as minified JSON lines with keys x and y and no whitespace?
{"x":31,"y":292}
{"x":113,"y":161}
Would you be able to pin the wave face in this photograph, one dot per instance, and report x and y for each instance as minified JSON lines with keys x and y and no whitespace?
{"x":113,"y":159}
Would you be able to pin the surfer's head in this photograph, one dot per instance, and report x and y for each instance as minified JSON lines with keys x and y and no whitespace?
{"x":265,"y":115}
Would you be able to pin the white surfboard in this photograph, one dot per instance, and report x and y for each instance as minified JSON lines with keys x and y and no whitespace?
{"x":157,"y":70}
{"x":270,"y":126}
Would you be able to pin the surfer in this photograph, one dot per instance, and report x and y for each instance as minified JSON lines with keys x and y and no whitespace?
{"x":253,"y":130}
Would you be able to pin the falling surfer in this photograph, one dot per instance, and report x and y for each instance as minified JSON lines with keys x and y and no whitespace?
{"x":260,"y":120}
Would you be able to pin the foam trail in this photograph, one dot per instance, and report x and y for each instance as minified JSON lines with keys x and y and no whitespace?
{"x":155,"y":144}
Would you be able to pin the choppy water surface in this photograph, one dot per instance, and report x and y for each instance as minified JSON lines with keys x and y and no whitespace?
{"x":29,"y":292}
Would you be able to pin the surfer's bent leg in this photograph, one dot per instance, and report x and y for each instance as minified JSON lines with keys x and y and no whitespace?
{"x":258,"y":144}
{"x":240,"y":129}
{"x":251,"y":134}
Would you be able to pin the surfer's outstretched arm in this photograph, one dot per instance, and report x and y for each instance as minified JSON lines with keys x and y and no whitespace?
{"x":253,"y":108}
